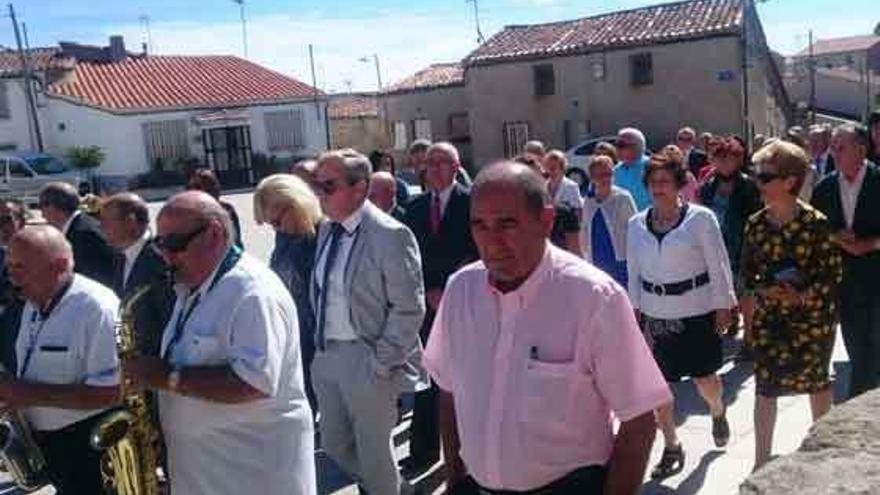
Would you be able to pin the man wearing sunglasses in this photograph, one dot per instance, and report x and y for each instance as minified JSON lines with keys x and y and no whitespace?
{"x":628,"y":174}
{"x":368,"y":297}
{"x":231,"y":396}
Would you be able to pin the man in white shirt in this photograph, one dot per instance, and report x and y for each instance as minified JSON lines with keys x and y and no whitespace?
{"x":231,"y":397}
{"x":66,"y":356}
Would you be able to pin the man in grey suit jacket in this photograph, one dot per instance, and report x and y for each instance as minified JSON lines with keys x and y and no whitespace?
{"x":368,"y":297}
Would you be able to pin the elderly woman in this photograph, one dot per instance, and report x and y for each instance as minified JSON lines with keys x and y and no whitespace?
{"x":681,"y":287}
{"x":689,"y":191}
{"x":563,"y":191}
{"x":607,"y":210}
{"x":205,"y":180}
{"x":566,"y":226}
{"x":790,"y":272}
{"x":290,"y":206}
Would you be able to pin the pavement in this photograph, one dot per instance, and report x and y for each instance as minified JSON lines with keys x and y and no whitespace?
{"x":708,"y":470}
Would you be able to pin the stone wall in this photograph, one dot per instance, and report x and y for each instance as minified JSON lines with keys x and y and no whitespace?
{"x":840,"y":455}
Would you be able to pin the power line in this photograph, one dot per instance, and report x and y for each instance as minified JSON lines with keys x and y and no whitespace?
{"x":480,"y":38}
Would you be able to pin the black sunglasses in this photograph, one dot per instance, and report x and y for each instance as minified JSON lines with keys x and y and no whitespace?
{"x":767,"y":177}
{"x":177,"y":243}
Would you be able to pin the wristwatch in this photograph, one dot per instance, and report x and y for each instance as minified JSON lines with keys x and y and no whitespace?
{"x":174,"y":380}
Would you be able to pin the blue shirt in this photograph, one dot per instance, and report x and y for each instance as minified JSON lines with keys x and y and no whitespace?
{"x":629,"y":176}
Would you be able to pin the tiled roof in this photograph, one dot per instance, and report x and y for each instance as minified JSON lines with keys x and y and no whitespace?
{"x":41,"y":59}
{"x":434,"y":76}
{"x":156,"y":83}
{"x":837,"y":45}
{"x":642,"y":26}
{"x":353,"y":107}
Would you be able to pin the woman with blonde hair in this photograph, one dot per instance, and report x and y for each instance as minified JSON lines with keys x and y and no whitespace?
{"x":290,"y":206}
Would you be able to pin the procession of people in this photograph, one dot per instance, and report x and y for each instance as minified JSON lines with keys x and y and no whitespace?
{"x":536,"y":323}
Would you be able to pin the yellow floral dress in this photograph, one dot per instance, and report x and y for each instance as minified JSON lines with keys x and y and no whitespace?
{"x":792,"y":343}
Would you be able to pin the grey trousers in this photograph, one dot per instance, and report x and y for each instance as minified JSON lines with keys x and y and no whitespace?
{"x":358,"y":412}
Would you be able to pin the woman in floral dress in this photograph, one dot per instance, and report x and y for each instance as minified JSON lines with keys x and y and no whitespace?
{"x":790,"y":270}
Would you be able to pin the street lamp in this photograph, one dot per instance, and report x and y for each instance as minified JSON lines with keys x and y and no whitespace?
{"x":243,"y":27}
{"x":366,"y":59}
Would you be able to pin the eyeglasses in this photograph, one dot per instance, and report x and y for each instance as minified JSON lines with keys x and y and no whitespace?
{"x":767,"y":177}
{"x":176,"y":242}
{"x":327,"y":187}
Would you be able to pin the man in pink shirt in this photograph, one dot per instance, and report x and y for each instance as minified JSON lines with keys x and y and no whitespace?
{"x":536,"y":352}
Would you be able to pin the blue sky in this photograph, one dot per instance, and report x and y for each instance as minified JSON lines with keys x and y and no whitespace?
{"x":406,"y":35}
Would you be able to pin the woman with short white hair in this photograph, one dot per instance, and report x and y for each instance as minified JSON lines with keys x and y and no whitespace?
{"x":607,"y":209}
{"x":290,"y":206}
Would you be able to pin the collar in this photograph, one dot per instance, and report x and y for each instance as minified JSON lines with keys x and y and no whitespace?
{"x":525,"y":292}
{"x":223,"y":267}
{"x":131,"y":252}
{"x":62,"y":291}
{"x":445,"y":193}
{"x":70,"y":221}
{"x":353,"y":221}
{"x":635,"y":163}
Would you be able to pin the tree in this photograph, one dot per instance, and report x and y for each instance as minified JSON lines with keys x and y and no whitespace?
{"x":87,"y":158}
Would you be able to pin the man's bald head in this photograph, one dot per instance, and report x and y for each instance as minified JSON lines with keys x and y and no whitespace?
{"x":40,"y":262}
{"x":516,"y":177}
{"x":198,"y":208}
{"x":383,"y":190}
{"x":44,"y":241}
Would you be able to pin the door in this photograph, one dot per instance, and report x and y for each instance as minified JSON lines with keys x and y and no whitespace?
{"x":228,"y":153}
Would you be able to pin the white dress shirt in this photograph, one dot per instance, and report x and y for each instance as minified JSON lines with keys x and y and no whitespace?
{"x":849,"y":194}
{"x":696,"y":246}
{"x":337,"y":324}
{"x":569,"y":194}
{"x":245,"y":320}
{"x":821,"y":163}
{"x":444,"y":197}
{"x":75,"y":344}
{"x":131,"y":254}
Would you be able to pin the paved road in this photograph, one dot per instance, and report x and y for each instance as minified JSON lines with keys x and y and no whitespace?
{"x":707,"y":471}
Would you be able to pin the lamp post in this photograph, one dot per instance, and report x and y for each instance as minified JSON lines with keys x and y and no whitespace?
{"x":366,"y":59}
{"x":243,"y":27}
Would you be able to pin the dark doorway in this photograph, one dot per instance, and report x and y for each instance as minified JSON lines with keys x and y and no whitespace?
{"x":228,"y":153}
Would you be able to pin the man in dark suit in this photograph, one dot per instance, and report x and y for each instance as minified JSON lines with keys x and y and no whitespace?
{"x":125,"y":221}
{"x":820,"y":149}
{"x":12,"y":220}
{"x":383,"y":193}
{"x":850,"y":197}
{"x":440,"y":220}
{"x":92,"y":256}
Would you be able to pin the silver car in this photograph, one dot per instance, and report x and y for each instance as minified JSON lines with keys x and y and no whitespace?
{"x":23,"y":175}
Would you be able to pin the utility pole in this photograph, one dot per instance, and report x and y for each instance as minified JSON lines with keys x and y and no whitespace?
{"x":148,"y":36}
{"x":28,"y":87}
{"x":480,"y":38}
{"x":327,"y":133}
{"x":811,"y":63}
{"x":244,"y":43}
{"x":378,"y":72}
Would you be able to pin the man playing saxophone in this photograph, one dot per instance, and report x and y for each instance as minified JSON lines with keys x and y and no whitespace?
{"x":67,"y":367}
{"x":231,"y":397}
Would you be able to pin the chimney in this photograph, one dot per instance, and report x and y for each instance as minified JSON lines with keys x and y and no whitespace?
{"x":117,"y":49}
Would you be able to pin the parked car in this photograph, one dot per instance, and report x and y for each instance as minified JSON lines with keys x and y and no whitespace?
{"x":23,"y":174}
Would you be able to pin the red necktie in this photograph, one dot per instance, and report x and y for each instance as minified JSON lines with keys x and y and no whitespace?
{"x":435,"y":215}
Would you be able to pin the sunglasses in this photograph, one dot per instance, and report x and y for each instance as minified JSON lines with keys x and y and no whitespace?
{"x":177,"y":243}
{"x":624,"y":144}
{"x":767,"y":177}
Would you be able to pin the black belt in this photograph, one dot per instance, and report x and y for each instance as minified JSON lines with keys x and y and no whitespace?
{"x":677,"y":288}
{"x":587,"y":480}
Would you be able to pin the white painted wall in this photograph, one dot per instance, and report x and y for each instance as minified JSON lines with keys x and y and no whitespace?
{"x":121,"y":136}
{"x":15,"y":130}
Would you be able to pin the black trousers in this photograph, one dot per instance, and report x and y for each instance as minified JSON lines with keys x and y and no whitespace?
{"x":425,"y":430}
{"x":588,"y":480}
{"x":860,"y":325}
{"x":74,"y":466}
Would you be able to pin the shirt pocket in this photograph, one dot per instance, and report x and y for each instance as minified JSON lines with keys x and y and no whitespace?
{"x":53,"y":363}
{"x":202,"y":347}
{"x":551,"y":389}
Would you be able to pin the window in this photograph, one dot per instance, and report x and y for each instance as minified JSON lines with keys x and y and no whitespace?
{"x":545,"y":80}
{"x":228,"y":151}
{"x":641,"y":69}
{"x":284,"y":130}
{"x":400,"y":137}
{"x":166,"y":141}
{"x":515,"y":136}
{"x":459,"y":126}
{"x":422,"y":129}
{"x":4,"y":102}
{"x":19,"y":169}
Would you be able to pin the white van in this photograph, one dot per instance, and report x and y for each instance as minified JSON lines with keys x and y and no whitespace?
{"x":23,"y":175}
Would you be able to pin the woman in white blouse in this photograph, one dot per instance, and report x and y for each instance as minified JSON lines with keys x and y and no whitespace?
{"x":563,"y":191}
{"x":682,"y":289}
{"x":607,"y":210}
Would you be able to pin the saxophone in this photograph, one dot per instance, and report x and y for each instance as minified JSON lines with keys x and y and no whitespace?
{"x":19,"y":452}
{"x":127,"y":436}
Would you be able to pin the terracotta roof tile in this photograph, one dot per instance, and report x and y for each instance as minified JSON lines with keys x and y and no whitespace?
{"x":41,"y":59}
{"x":434,"y":76}
{"x":353,"y":106}
{"x":172,"y":82}
{"x":837,"y":45}
{"x":642,"y":26}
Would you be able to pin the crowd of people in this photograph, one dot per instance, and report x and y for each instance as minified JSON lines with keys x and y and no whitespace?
{"x":538,"y":322}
